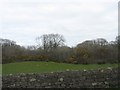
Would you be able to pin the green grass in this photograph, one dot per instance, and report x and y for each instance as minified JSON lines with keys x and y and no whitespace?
{"x":0,"y":69}
{"x":42,"y":67}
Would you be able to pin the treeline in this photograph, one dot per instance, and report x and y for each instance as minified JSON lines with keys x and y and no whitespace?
{"x":51,"y":47}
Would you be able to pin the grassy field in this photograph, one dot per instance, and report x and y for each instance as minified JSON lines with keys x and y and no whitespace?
{"x":42,"y":67}
{"x":0,"y":69}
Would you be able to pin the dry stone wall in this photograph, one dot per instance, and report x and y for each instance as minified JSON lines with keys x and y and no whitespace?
{"x":102,"y":78}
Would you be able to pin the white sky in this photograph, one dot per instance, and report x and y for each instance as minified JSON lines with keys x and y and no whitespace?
{"x":77,"y":20}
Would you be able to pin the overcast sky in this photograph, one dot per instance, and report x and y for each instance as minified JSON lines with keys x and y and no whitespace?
{"x":77,"y":20}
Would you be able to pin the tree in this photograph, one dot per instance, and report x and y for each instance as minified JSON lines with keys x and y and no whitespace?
{"x":118,"y":39}
{"x":101,"y":42}
{"x":6,"y":42}
{"x":118,"y":46}
{"x":50,"y":41}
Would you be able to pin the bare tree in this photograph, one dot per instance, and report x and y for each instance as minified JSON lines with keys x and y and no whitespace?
{"x":50,"y":41}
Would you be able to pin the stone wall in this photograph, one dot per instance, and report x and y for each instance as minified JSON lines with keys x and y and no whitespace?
{"x":102,"y":78}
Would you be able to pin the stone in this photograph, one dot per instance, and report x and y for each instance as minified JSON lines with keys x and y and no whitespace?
{"x":93,"y":84}
{"x":61,"y":79}
{"x":51,"y":72}
{"x":67,"y":70}
{"x":110,"y":68}
{"x":101,"y":70}
{"x":10,"y":74}
{"x":32,"y":80}
{"x":106,"y":82}
{"x":49,"y":84}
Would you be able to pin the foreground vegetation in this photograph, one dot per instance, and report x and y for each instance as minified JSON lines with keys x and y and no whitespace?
{"x":42,"y":67}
